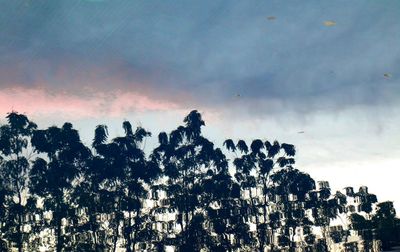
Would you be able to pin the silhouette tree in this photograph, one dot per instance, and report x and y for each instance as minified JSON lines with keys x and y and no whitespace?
{"x":92,"y":200}
{"x":15,"y":167}
{"x":288,"y":191}
{"x":185,"y":157}
{"x":222,"y":201}
{"x":123,"y":182}
{"x":90,"y":232}
{"x":54,"y":178}
{"x":185,"y":194}
{"x":364,"y":228}
{"x":386,"y":224}
{"x":196,"y":236}
{"x":253,"y":170}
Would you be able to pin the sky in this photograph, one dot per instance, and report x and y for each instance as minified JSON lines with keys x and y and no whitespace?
{"x":322,"y":75}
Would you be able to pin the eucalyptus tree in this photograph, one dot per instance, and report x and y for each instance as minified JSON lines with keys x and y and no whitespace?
{"x":185,"y":157}
{"x":94,"y":202}
{"x":321,"y":214}
{"x":253,"y":169}
{"x":14,"y":174}
{"x":163,"y":157}
{"x":179,"y":159}
{"x":123,"y":182}
{"x":55,"y":176}
{"x":386,"y":225}
{"x":361,"y":224}
{"x":289,"y":188}
{"x":364,"y":229}
{"x":90,"y":230}
{"x":197,"y":237}
{"x":222,"y":202}
{"x":105,"y":194}
{"x":325,"y":207}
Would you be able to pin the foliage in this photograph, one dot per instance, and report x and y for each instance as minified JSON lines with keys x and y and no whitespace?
{"x":59,"y":194}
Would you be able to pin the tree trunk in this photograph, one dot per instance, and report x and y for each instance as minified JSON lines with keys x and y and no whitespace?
{"x":93,"y":229}
{"x":19,"y":228}
{"x":265,"y":200}
{"x":128,"y":235}
{"x":19,"y":212}
{"x":118,"y":220}
{"x":58,"y":219}
{"x":19,"y":225}
{"x":137,"y":217}
{"x":116,"y":234}
{"x":260,"y":239}
{"x":131,"y":242}
{"x":180,"y":221}
{"x":58,"y":234}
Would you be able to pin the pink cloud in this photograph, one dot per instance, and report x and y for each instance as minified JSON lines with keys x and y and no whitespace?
{"x":39,"y":101}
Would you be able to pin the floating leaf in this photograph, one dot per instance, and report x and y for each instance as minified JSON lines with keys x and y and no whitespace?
{"x":329,"y":23}
{"x":387,"y":75}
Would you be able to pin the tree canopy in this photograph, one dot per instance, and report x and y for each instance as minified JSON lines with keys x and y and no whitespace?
{"x":185,"y":194}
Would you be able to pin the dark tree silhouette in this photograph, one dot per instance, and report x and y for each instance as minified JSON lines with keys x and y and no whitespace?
{"x":54,"y":178}
{"x":185,"y":193}
{"x":222,"y":202}
{"x":288,"y":192}
{"x":185,"y":157}
{"x":14,"y":175}
{"x":253,"y":171}
{"x":386,"y":224}
{"x":88,"y":197}
{"x":123,"y":182}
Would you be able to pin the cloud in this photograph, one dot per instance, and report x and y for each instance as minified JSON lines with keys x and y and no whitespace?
{"x":113,"y":104}
{"x":209,"y":52}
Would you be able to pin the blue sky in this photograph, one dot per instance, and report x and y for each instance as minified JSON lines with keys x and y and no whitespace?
{"x":255,"y":69}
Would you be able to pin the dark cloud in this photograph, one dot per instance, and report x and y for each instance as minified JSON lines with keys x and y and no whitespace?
{"x":211,"y":51}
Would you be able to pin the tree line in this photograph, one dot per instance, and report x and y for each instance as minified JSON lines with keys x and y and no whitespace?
{"x":57,"y":194}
